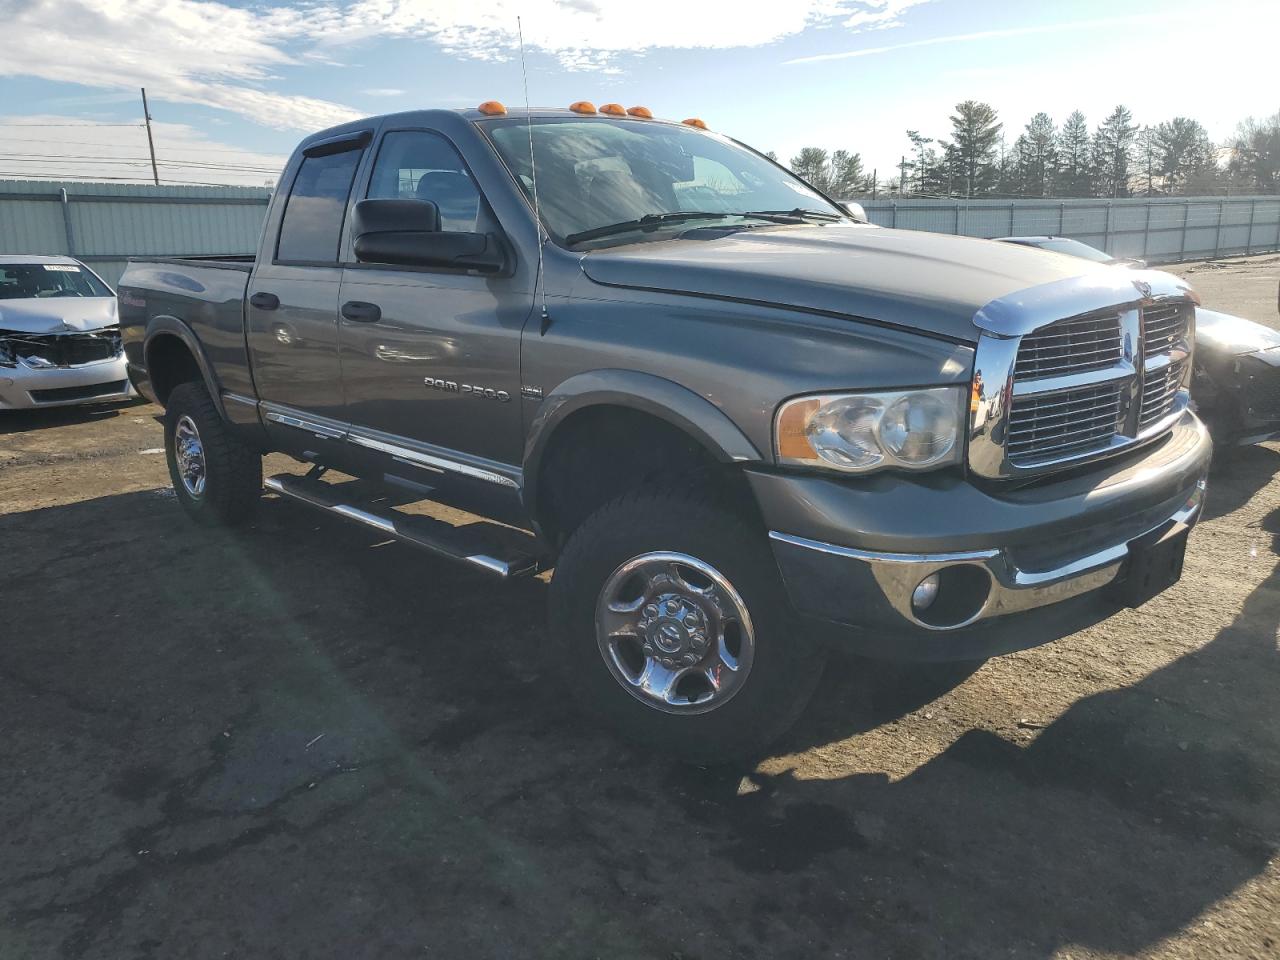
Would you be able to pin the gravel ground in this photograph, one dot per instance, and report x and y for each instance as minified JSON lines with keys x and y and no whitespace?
{"x":301,"y":741}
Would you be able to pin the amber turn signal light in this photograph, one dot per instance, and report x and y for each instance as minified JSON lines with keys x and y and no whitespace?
{"x":614,"y":109}
{"x":582,"y":106}
{"x":695,"y":122}
{"x":492,"y":108}
{"x":643,"y":113}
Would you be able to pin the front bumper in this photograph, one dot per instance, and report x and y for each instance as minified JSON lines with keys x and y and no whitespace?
{"x":851,"y":555}
{"x":25,"y":387}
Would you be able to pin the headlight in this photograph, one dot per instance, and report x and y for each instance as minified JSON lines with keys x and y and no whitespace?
{"x":860,"y":432}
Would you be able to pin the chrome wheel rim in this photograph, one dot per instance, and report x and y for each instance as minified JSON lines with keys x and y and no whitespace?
{"x":189,"y":453}
{"x":674,"y":633}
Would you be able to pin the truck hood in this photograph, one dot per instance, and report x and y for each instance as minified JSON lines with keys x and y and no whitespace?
{"x":57,"y":314}
{"x":905,"y":278}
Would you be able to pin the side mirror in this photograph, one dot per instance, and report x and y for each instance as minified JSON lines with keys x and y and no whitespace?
{"x":407,"y":233}
{"x":855,"y":210}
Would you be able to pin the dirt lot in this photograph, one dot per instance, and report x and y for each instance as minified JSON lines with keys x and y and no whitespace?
{"x":300,"y":741}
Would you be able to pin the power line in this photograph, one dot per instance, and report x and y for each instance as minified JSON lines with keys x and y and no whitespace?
{"x":89,"y":125}
{"x":133,"y":161}
{"x":98,"y":143}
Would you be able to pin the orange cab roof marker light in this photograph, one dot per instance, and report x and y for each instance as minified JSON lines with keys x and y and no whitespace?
{"x":644,"y":113}
{"x":614,"y":109}
{"x":492,"y":108}
{"x":582,"y":106}
{"x":695,"y":122}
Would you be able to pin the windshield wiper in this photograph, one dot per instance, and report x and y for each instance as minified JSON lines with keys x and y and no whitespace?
{"x":650,"y":221}
{"x":799,"y":213}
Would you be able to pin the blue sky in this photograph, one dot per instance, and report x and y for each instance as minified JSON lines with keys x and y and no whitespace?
{"x":235,"y":84}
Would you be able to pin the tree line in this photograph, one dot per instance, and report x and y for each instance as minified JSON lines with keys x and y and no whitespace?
{"x":1118,"y":158}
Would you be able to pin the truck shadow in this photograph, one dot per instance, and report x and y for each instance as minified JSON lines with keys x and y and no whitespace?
{"x":1121,"y":822}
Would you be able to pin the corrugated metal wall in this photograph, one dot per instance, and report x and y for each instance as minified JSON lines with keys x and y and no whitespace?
{"x":103,"y":224}
{"x":1161,"y":230}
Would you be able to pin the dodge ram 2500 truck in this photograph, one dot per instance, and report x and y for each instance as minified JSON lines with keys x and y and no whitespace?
{"x":739,"y":424}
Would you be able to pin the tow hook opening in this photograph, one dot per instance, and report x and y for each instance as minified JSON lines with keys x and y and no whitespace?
{"x":952,"y":596}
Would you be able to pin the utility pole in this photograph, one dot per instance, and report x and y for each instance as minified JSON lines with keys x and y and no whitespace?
{"x":902,"y":176}
{"x":151,"y":144}
{"x":875,"y":180}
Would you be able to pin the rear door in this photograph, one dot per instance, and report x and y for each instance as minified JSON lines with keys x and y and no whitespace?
{"x":437,"y":372}
{"x":292,"y":308}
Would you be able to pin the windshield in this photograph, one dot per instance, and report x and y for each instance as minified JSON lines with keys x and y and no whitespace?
{"x":19,"y":281}
{"x":1074,"y":248}
{"x":594,"y":173}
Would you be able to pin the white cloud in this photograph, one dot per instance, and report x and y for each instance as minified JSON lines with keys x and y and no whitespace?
{"x":979,"y":35}
{"x":232,"y":57}
{"x":53,"y":146}
{"x":384,"y":92}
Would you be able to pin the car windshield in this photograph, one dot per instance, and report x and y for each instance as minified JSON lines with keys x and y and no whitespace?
{"x":1074,"y":248}
{"x":20,"y":281}
{"x":595,"y":173}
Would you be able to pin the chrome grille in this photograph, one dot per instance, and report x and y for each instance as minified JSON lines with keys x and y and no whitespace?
{"x":1063,"y":423}
{"x":1163,"y":325}
{"x":1159,"y":390}
{"x":1070,"y":346}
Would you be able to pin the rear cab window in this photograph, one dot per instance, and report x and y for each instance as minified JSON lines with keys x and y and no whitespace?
{"x":312,"y":223}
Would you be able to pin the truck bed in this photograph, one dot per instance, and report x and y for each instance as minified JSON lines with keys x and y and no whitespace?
{"x":201,"y":296}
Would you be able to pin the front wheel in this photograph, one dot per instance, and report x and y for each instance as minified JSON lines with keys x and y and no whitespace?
{"x":218,"y":480}
{"x":669,"y":618}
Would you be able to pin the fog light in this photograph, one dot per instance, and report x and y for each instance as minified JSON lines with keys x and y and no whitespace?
{"x":925,"y":593}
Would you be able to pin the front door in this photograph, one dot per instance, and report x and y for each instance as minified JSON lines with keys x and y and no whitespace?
{"x":435,"y":367}
{"x":292,"y":309}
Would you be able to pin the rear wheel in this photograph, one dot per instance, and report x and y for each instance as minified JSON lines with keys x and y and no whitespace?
{"x":218,"y":480}
{"x":669,"y":619}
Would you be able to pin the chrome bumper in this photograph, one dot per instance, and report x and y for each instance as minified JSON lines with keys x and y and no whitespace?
{"x":999,"y":585}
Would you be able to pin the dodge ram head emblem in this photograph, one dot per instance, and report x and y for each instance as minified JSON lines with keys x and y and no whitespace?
{"x":1144,"y":288}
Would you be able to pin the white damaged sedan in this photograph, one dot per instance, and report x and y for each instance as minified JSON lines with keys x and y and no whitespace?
{"x":59,"y":335}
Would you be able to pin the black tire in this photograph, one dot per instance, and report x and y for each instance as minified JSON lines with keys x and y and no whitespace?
{"x":233,"y":472}
{"x":787,"y":663}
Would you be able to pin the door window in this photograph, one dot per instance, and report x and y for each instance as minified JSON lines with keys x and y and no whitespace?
{"x":312,"y":221}
{"x":417,"y":165}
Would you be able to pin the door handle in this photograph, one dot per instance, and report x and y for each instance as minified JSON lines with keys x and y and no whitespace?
{"x":361,"y":312}
{"x":264,"y":301}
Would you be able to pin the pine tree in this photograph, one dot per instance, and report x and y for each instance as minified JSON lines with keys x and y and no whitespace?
{"x":812,"y":165}
{"x":1073,"y":173}
{"x":1112,"y":148}
{"x":1182,"y":150}
{"x":976,"y":130}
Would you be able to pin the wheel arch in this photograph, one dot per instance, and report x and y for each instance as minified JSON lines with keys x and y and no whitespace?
{"x":172,"y":353}
{"x":596,"y":407}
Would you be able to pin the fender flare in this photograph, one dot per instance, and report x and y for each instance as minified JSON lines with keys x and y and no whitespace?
{"x":169,"y":326}
{"x":645,"y":392}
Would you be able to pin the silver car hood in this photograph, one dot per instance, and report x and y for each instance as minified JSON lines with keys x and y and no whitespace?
{"x":57,"y":314}
{"x":907,"y":278}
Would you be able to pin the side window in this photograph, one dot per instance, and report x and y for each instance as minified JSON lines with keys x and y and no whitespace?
{"x":312,"y":222}
{"x":415,"y":164}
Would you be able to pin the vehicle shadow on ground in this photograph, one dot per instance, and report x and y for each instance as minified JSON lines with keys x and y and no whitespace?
{"x":301,"y":720}
{"x":21,"y":421}
{"x":1236,"y":475}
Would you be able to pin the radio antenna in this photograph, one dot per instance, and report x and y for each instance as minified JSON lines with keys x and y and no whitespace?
{"x":533,"y":176}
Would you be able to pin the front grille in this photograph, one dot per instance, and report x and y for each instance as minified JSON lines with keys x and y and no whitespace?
{"x":1064,"y":423}
{"x":1163,"y":325}
{"x":1159,"y":391}
{"x":65,"y":349}
{"x":1070,"y":346}
{"x":62,"y":394}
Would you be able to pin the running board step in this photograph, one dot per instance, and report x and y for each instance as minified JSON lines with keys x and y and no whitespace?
{"x":495,"y":549}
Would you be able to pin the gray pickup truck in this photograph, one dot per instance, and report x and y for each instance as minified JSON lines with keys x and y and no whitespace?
{"x":741,"y":425}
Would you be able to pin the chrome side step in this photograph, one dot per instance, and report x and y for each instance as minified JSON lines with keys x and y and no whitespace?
{"x":485,"y":546}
